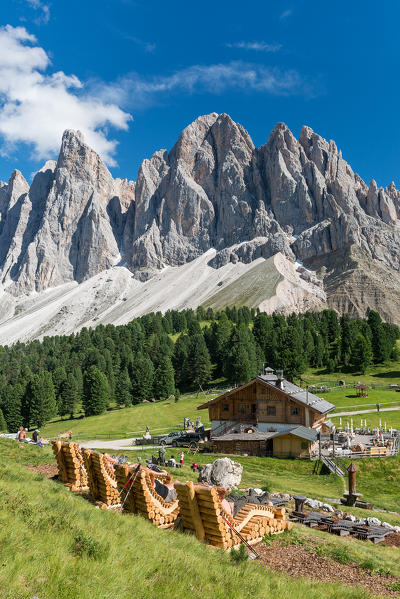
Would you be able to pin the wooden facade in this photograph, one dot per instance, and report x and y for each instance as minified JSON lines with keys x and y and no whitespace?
{"x":258,"y":402}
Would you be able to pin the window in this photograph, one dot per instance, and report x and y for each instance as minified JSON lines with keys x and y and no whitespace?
{"x":262,"y":390}
{"x":304,"y":444}
{"x":225,"y":407}
{"x":295,"y":411}
{"x":253,"y":408}
{"x":271,"y":411}
{"x":241,"y":408}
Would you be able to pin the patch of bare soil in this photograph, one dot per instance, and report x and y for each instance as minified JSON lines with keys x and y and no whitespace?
{"x":49,"y":470}
{"x":392,"y":540}
{"x":304,"y":561}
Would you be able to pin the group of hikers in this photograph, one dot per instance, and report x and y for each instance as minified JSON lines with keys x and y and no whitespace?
{"x":21,"y":436}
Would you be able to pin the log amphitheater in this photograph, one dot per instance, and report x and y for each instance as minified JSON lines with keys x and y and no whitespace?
{"x":198,"y":507}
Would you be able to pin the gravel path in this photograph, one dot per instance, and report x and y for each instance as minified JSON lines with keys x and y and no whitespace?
{"x":117,"y":444}
{"x":364,"y":412}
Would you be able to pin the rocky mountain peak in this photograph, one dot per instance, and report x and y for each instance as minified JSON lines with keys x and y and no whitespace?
{"x":213,"y":189}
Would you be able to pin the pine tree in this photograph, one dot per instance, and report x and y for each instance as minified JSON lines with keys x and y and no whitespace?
{"x":361,"y":354}
{"x":197,"y":366}
{"x":49,"y":396}
{"x":12,"y":397}
{"x":142,"y":378}
{"x":3,"y":425}
{"x":69,"y":395}
{"x":164,"y":383}
{"x":179,"y":357}
{"x":123,"y":389}
{"x":96,"y":392}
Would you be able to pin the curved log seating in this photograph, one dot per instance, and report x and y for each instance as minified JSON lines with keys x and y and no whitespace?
{"x":142,"y":498}
{"x":71,"y":468}
{"x":101,"y":479}
{"x":204,"y":515}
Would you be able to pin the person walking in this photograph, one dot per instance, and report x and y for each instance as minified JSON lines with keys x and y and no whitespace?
{"x":377,"y":407}
{"x":181,"y":456}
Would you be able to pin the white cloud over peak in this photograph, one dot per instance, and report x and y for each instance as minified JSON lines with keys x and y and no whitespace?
{"x":286,"y":13}
{"x":257,"y":46}
{"x":37,"y":106}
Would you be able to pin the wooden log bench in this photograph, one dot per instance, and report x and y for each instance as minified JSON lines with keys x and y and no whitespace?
{"x":203,"y":514}
{"x":70,"y":463}
{"x":141,"y":496}
{"x":101,"y":478}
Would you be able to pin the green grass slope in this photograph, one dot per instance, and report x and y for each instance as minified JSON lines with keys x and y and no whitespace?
{"x":115,"y":424}
{"x":56,"y":545}
{"x":250,"y":289}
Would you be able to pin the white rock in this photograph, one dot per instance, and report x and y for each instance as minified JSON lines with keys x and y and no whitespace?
{"x":223,"y":473}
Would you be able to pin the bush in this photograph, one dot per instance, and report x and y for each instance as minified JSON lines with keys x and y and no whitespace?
{"x":239,"y":555}
{"x":85,"y":545}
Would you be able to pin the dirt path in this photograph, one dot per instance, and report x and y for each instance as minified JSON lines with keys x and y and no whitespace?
{"x":308,"y":561}
{"x":364,"y":412}
{"x":117,"y":444}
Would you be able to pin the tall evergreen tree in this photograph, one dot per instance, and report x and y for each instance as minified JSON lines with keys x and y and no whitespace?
{"x":123,"y":389}
{"x":11,"y":404}
{"x":142,"y":378}
{"x":39,"y":401}
{"x":164,"y":383}
{"x":3,"y":424}
{"x":96,"y":392}
{"x":69,"y":395}
{"x":361,"y":354}
{"x":197,"y":367}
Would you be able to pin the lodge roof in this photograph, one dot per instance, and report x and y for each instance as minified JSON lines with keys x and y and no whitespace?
{"x":318,"y":404}
{"x":303,"y":432}
{"x":302,"y":395}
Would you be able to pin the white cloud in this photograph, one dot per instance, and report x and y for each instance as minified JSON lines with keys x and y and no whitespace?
{"x":257,"y":46}
{"x":137,"y":91}
{"x":286,"y":13}
{"x":37,"y":106}
{"x":43,"y":8}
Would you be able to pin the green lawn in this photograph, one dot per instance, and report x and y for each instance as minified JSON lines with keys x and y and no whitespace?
{"x":161,"y":417}
{"x":346,"y":400}
{"x":56,"y":545}
{"x":392,"y":419}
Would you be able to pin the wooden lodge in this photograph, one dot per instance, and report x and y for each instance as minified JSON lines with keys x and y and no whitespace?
{"x":268,"y":416}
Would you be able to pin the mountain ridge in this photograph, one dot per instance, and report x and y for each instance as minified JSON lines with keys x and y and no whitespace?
{"x":214,"y":189}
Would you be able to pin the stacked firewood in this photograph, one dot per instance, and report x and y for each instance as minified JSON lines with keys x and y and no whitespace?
{"x":139,"y":496}
{"x":71,"y":468}
{"x":101,"y":478}
{"x":203,"y":514}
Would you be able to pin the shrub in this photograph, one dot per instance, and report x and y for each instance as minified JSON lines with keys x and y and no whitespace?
{"x":239,"y":555}
{"x":85,"y":545}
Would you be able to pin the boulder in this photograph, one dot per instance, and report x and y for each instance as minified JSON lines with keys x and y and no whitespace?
{"x":373,"y":522}
{"x":223,"y":473}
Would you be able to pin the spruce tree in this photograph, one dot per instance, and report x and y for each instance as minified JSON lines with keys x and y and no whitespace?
{"x":69,"y":395}
{"x":12,"y":398}
{"x":3,"y":424}
{"x":123,"y":389}
{"x":361,"y":354}
{"x":142,"y":378}
{"x":96,"y":392}
{"x":164,"y":383}
{"x":197,"y":367}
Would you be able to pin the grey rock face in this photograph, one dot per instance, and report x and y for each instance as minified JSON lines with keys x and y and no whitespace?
{"x":69,"y":224}
{"x":214,"y":189}
{"x":223,"y":473}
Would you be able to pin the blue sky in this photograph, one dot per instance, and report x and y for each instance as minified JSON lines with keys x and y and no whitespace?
{"x":132,"y":74}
